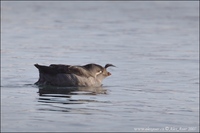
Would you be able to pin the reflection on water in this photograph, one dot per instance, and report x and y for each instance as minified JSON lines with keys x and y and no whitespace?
{"x":55,"y":99}
{"x":50,"y":94}
{"x":70,"y":90}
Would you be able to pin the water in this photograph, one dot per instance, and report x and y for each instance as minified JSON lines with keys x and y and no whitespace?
{"x":155,"y":46}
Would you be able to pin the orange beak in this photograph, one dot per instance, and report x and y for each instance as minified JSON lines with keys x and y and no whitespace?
{"x":109,"y":73}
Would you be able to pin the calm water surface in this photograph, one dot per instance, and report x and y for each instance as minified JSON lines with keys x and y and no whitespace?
{"x":155,"y":46}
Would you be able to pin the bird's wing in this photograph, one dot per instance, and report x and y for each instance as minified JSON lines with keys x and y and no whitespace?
{"x":68,"y":69}
{"x":59,"y":68}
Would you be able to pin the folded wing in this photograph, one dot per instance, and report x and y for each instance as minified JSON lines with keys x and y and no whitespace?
{"x":54,"y":69}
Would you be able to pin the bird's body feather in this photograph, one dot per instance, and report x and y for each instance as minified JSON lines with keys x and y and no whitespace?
{"x":68,"y":75}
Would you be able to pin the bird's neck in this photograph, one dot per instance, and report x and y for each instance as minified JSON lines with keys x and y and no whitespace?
{"x":100,"y":78}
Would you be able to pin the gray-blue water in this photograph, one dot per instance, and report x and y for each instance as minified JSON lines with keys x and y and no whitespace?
{"x":155,"y":46}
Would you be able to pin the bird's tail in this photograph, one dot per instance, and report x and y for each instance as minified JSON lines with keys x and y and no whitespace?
{"x":44,"y":69}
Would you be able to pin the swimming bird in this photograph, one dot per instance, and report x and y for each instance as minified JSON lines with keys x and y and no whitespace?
{"x":89,"y":75}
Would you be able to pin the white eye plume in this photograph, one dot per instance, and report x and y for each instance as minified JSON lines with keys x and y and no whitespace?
{"x":99,"y":72}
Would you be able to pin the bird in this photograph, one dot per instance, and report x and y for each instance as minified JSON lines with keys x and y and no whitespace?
{"x":61,"y":75}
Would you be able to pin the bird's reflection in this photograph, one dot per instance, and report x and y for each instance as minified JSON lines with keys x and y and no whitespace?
{"x":64,"y":95}
{"x":44,"y":90}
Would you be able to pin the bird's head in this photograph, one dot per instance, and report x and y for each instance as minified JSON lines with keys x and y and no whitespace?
{"x":103,"y":73}
{"x":98,"y":71}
